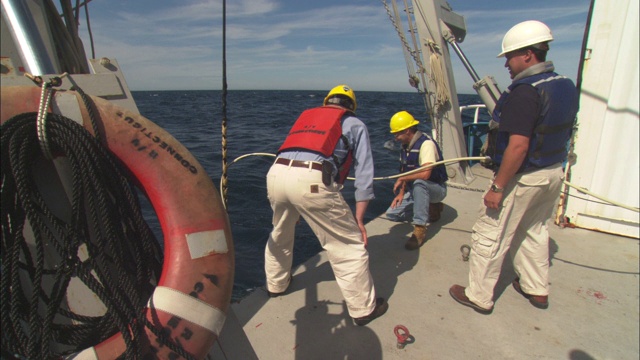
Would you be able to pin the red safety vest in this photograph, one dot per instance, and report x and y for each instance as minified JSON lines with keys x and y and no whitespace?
{"x":318,"y":130}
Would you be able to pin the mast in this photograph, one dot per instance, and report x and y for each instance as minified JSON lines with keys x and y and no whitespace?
{"x":433,"y":20}
{"x":432,"y":25}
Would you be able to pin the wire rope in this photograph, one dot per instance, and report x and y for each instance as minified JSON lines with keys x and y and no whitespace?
{"x":225,"y":166}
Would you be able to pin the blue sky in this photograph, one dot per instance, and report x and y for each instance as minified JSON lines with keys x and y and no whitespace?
{"x":304,"y":44}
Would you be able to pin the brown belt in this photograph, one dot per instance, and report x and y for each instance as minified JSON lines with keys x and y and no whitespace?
{"x":298,"y":163}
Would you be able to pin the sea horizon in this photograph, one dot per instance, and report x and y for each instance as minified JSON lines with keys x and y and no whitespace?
{"x":312,"y":90}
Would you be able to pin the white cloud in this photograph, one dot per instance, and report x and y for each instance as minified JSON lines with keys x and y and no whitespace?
{"x":292,"y":43}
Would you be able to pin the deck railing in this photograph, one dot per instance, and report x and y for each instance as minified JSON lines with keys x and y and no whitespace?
{"x":476,"y":113}
{"x":476,"y":130}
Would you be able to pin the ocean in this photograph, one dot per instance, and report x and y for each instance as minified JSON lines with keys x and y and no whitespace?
{"x":258,"y":122}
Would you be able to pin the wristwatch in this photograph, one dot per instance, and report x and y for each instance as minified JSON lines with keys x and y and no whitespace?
{"x":496,"y":189}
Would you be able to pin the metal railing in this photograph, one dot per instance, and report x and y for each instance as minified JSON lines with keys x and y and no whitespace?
{"x":477,"y":108}
{"x":471,"y":127}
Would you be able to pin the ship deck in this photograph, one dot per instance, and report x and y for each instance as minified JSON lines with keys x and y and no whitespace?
{"x":593,"y":312}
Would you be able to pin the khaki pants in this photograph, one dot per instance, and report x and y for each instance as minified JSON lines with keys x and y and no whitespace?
{"x":519,"y":226}
{"x":294,"y":191}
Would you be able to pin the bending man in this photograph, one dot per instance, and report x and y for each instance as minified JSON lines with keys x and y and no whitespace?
{"x":306,"y":180}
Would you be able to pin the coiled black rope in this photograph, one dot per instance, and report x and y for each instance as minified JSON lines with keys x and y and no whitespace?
{"x":124,"y":258}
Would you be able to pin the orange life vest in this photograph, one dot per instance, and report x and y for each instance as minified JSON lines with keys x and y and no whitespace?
{"x":318,"y":130}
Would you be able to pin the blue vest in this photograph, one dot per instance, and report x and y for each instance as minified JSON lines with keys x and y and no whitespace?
{"x":558,"y":108}
{"x":409,"y":160}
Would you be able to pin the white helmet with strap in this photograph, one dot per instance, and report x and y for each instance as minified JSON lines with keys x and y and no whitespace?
{"x":524,"y":34}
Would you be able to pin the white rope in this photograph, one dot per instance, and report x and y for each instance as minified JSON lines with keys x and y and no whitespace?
{"x":426,"y":167}
{"x":437,"y":77}
{"x":458,"y":186}
{"x":612,"y":202}
{"x":223,"y":194}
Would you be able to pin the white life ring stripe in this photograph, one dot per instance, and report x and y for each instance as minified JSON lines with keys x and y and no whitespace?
{"x":188,"y":308}
{"x":86,"y":354}
{"x":205,"y":243}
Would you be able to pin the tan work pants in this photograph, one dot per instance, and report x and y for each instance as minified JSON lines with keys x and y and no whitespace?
{"x":519,"y":226}
{"x":295,"y":191}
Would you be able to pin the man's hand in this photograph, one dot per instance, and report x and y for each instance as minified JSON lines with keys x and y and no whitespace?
{"x":398,"y":189}
{"x":514,"y":155}
{"x":397,"y":200}
{"x":363,"y":230}
{"x":361,"y":208}
{"x":492,"y":199}
{"x":399,"y":184}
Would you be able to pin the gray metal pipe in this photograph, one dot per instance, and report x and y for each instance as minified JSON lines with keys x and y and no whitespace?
{"x":27,"y":38}
{"x":465,"y":62}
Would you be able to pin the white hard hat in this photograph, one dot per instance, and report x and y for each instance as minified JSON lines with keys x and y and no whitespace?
{"x":525,"y":34}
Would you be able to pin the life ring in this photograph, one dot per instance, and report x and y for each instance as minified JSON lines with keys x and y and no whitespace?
{"x":194,"y":291}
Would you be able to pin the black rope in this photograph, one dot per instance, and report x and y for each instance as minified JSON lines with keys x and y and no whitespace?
{"x":124,"y":258}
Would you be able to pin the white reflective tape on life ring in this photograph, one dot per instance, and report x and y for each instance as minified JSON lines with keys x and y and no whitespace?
{"x":188,"y":308}
{"x":205,"y":243}
{"x":86,"y":354}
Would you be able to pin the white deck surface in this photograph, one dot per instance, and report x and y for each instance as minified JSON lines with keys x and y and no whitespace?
{"x":593,"y":312}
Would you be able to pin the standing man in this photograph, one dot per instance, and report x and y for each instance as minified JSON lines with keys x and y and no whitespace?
{"x":419,"y":195}
{"x":306,"y":180}
{"x":536,"y":116}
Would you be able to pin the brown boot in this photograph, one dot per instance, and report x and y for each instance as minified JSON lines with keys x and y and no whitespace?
{"x":435,"y":210}
{"x":417,"y":238}
{"x":539,"y":301}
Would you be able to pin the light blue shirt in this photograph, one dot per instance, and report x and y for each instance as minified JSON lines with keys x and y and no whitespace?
{"x":358,"y":136}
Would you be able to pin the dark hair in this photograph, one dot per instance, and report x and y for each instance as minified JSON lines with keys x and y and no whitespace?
{"x":341,"y":100}
{"x":539,"y":50}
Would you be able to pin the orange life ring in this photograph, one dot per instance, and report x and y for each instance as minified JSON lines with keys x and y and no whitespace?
{"x":194,"y":291}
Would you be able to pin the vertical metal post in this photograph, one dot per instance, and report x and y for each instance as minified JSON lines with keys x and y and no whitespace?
{"x":26,"y":36}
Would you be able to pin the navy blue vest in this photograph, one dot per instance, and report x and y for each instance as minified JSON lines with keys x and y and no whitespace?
{"x":558,"y":108}
{"x":409,"y":160}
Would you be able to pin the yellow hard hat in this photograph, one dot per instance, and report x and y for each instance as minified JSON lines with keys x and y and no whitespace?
{"x":344,"y":90}
{"x":402,"y":120}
